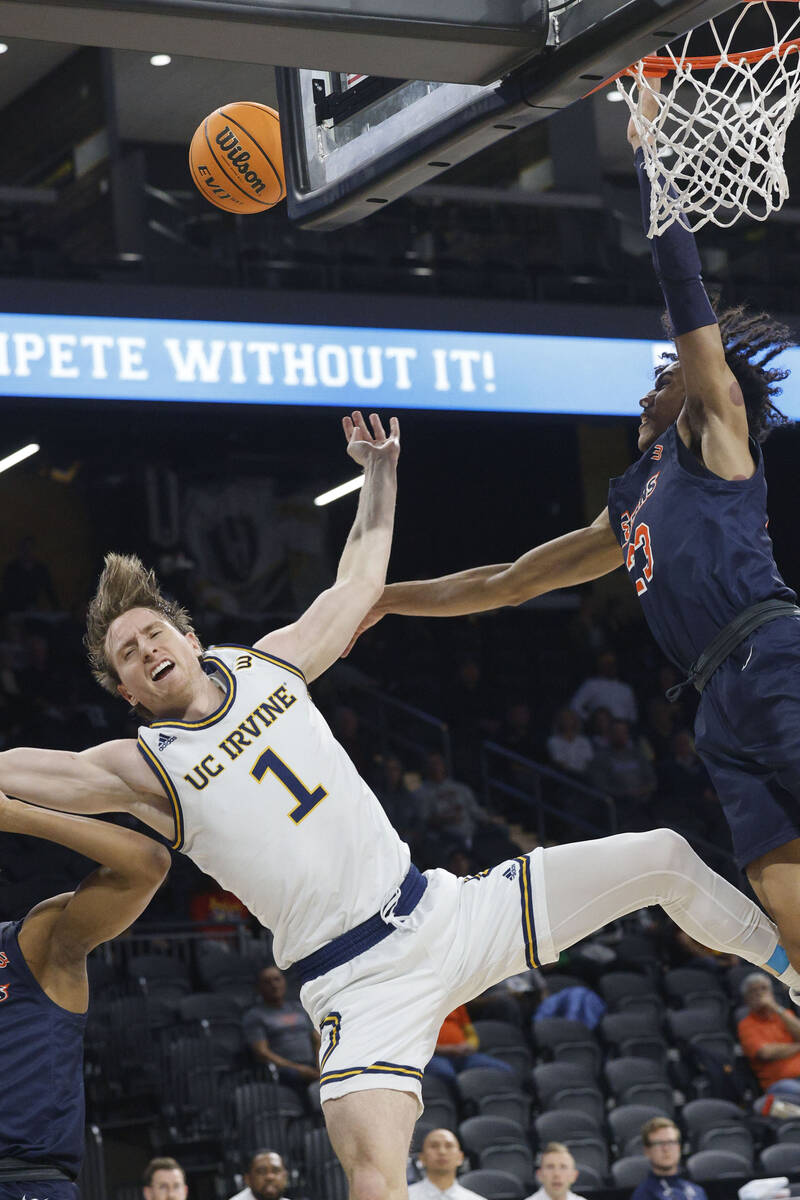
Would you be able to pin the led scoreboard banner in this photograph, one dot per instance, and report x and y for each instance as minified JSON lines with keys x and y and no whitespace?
{"x":124,"y":358}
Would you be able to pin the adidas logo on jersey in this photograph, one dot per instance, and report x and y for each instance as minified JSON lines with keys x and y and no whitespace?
{"x":510,"y":871}
{"x":164,"y":740}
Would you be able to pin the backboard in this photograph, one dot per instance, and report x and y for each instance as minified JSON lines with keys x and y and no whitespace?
{"x":353,"y":143}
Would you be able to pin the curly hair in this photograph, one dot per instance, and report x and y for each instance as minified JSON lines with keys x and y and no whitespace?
{"x":125,"y":583}
{"x":751,"y":341}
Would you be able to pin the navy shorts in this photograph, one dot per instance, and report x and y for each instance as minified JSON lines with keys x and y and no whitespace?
{"x":38,"y":1189}
{"x":747,"y":733}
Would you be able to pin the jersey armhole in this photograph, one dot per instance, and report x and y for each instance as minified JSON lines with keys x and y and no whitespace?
{"x":162,"y":775}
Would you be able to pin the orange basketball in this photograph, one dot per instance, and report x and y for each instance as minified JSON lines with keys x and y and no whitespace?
{"x":236,"y":159}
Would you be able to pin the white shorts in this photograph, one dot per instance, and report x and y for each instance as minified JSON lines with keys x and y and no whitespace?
{"x":379,"y":1014}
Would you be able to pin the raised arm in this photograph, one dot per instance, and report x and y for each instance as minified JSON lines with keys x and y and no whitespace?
{"x":57,"y":934}
{"x":319,"y":636}
{"x":714,"y":415}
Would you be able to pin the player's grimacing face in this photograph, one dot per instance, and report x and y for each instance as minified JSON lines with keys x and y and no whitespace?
{"x":661,"y":406}
{"x":154,"y":661}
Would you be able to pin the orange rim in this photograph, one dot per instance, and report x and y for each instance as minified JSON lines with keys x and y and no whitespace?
{"x":658,"y":66}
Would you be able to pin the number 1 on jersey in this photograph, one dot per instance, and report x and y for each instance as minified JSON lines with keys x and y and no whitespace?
{"x":306,"y":800}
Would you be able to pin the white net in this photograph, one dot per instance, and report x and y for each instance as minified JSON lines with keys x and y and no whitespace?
{"x":714,"y":144}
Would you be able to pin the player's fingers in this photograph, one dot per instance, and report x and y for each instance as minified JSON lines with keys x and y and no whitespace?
{"x":377,"y":428}
{"x":361,"y":425}
{"x":347,"y":426}
{"x":394,"y":428}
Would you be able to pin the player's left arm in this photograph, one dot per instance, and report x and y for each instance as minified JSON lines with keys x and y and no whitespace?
{"x":62,"y":930}
{"x":318,"y":637}
{"x":714,"y":414}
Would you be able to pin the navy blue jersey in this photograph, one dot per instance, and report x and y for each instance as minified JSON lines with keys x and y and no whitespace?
{"x":668,"y":1187}
{"x":41,"y":1052}
{"x":696,"y":546}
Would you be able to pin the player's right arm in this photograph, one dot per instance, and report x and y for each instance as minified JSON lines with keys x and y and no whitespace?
{"x":566,"y":561}
{"x":111,"y":777}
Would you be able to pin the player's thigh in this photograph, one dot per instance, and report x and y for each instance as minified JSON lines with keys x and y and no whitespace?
{"x":371,"y":1134}
{"x":501,"y":928}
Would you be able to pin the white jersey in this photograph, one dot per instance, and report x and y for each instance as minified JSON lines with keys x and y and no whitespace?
{"x":267,"y":802}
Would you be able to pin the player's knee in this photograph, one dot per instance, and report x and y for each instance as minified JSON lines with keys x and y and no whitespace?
{"x":368,"y":1181}
{"x":667,"y":852}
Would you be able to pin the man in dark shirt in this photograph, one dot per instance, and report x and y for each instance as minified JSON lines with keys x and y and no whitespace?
{"x":278,"y":1032}
{"x":662,"y":1146}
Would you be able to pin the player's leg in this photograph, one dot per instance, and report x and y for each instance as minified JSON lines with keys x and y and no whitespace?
{"x":588,"y":884}
{"x":371,"y":1134}
{"x":775,"y":879}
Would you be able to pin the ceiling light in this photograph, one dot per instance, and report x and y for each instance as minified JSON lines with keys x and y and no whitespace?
{"x":3,"y":47}
{"x":11,"y":460}
{"x":343,"y":489}
{"x":613,"y":96}
{"x":160,"y":60}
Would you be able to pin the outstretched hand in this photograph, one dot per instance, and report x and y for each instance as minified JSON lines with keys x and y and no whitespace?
{"x":365,"y":446}
{"x":649,"y":108}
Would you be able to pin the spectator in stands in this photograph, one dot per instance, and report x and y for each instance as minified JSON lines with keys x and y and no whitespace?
{"x":265,"y":1178}
{"x":662,"y":1146}
{"x":568,"y":748}
{"x":399,"y":803}
{"x":556,"y":1173}
{"x":164,"y":1179}
{"x":346,"y":727}
{"x":27,"y":581}
{"x":623,"y":769}
{"x":598,"y":728}
{"x":279,"y":1033}
{"x":457,"y":1048}
{"x":440,"y":1158}
{"x":606,"y":690}
{"x":770,"y":1038}
{"x":449,"y":808}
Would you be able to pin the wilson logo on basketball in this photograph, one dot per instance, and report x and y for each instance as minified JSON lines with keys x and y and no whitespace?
{"x":227,"y":140}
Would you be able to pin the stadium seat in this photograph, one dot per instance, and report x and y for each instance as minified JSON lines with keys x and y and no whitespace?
{"x":789,"y":1131}
{"x":657,"y":1095}
{"x":434,"y":1087}
{"x":689,"y":987}
{"x":589,"y":1151}
{"x":506,"y":1042}
{"x":629,"y":1172}
{"x":709,"y":1165}
{"x":551,"y":1077}
{"x":477,"y":1085}
{"x":557,"y":982}
{"x":623,"y":1073}
{"x":208,"y":1006}
{"x":442,"y":1112}
{"x":699,"y":1115}
{"x":625,"y":990}
{"x":587,"y":1099}
{"x":626,"y":1121}
{"x":160,"y":975}
{"x":421,"y":1131}
{"x":735,"y":1137}
{"x":636,"y":953}
{"x":567,"y":1041}
{"x":514,"y":1157}
{"x":513,"y":1106}
{"x":493,"y":1185}
{"x":587,"y":1178}
{"x":686,"y":1023}
{"x":781,"y":1159}
{"x":563,"y":1123}
{"x":478,"y":1133}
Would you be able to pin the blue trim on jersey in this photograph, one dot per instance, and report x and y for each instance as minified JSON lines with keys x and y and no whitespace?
{"x":778,"y":960}
{"x":216,"y":716}
{"x":162,"y":775}
{"x":273,"y":658}
{"x":528,"y":923}
{"x":378,"y":1068}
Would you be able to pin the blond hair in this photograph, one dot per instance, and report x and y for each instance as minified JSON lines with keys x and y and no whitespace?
{"x":657,"y":1123}
{"x":555,"y":1148}
{"x":125,"y":583}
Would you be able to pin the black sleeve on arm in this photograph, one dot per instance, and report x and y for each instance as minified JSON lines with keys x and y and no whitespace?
{"x":677,"y":267}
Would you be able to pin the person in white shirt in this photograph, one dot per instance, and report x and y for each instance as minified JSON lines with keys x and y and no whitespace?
{"x":605,"y":690}
{"x":556,"y":1173}
{"x":440,"y":1158}
{"x":265,"y":1178}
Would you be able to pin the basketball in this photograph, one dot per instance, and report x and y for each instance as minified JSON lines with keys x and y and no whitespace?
{"x":236,"y":160}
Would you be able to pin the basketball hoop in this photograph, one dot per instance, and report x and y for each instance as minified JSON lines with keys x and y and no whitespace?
{"x":713,"y":146}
